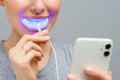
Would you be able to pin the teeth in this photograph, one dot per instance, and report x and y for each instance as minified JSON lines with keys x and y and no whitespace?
{"x":35,"y":24}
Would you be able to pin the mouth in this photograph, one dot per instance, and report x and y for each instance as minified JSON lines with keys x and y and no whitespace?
{"x":35,"y":23}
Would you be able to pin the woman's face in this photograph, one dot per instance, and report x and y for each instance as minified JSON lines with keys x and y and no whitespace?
{"x":29,"y":16}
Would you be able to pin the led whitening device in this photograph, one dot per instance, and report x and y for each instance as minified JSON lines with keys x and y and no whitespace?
{"x":35,"y":24}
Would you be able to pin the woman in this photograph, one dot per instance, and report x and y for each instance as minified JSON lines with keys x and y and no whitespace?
{"x":28,"y":53}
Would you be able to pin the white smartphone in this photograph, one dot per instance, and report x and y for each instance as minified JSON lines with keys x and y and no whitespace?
{"x":90,"y":52}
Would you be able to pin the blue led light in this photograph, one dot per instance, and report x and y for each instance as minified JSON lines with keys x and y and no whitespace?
{"x":35,"y":24}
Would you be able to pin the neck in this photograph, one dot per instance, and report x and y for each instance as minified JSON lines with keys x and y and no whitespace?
{"x":12,"y":40}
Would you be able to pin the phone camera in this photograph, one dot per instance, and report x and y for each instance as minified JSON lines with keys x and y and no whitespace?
{"x":106,"y":53}
{"x":108,"y":46}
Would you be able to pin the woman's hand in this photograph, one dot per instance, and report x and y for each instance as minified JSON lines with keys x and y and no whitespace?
{"x":94,"y":73}
{"x":26,"y":54}
{"x":98,"y":74}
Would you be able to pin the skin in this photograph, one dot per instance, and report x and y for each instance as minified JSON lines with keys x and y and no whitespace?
{"x":22,"y":42}
{"x":94,"y":73}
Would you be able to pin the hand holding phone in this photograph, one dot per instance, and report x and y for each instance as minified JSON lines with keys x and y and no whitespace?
{"x":90,"y":52}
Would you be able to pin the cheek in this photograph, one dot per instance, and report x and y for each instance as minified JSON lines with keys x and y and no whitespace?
{"x":53,"y":5}
{"x":14,"y":11}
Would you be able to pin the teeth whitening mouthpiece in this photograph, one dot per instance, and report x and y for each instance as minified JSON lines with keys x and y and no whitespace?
{"x":35,"y":24}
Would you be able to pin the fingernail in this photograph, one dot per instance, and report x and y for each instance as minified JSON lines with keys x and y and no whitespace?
{"x":47,"y":37}
{"x":45,"y":31}
{"x":71,"y":78}
{"x":89,"y":70}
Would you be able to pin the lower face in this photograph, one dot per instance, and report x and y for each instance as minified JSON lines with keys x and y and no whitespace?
{"x":24,"y":21}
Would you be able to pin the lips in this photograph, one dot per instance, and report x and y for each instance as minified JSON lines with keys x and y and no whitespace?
{"x":35,"y":23}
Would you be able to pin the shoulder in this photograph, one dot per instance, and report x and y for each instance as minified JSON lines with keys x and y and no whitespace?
{"x":64,"y":50}
{"x":3,"y":55}
{"x":67,"y":47}
{"x":1,"y":45}
{"x":2,"y":51}
{"x":6,"y":72}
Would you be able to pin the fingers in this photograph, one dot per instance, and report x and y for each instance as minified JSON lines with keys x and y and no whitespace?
{"x":97,"y":73}
{"x":110,"y":73}
{"x":38,"y":37}
{"x":42,"y":33}
{"x":27,"y":46}
{"x":32,"y":46}
{"x":73,"y":77}
{"x":33,"y":55}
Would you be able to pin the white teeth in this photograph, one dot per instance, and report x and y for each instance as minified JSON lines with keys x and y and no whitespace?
{"x":35,"y":24}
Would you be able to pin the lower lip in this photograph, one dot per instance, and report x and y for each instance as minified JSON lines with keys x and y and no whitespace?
{"x":35,"y":24}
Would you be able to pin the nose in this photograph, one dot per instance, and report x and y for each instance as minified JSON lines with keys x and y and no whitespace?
{"x":37,"y":7}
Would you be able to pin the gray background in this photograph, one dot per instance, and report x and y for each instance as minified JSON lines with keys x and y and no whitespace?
{"x":84,"y":18}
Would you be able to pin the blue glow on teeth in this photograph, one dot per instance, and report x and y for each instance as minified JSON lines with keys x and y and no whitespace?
{"x":35,"y":24}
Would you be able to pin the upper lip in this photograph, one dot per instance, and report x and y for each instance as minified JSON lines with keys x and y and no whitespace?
{"x":36,"y":17}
